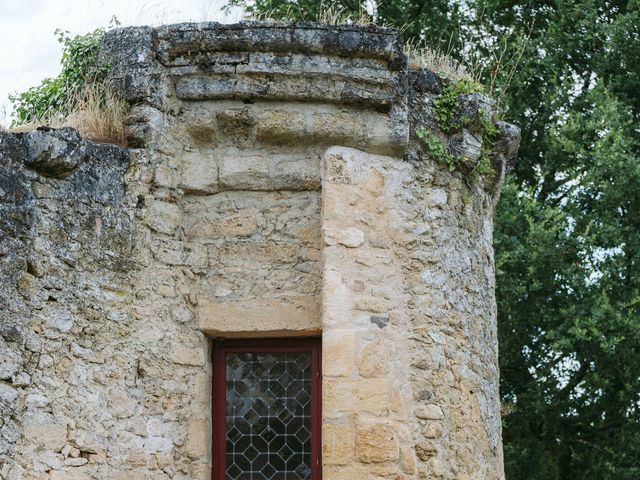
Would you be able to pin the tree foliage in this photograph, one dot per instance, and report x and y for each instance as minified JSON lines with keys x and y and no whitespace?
{"x":568,"y":245}
{"x":568,"y":224}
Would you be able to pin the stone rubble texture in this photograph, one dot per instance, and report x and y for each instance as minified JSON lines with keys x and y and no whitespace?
{"x":274,"y":187}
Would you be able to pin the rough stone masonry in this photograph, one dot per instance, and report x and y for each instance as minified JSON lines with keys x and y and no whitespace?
{"x":275,"y":186}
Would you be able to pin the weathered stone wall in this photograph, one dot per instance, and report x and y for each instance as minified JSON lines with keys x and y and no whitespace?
{"x":275,"y":186}
{"x":67,"y":233}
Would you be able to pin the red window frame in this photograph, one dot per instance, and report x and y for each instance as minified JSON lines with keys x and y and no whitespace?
{"x":278,"y":345}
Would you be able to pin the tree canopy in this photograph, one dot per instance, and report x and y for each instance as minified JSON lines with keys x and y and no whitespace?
{"x":567,"y":235}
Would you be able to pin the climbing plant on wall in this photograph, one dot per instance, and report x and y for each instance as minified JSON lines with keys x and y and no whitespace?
{"x":567,"y":232}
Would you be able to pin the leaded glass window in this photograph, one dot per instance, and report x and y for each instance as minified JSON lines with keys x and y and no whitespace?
{"x":268,"y":414}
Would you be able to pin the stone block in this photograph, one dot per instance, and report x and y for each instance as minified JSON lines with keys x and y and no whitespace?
{"x":425,"y":451}
{"x":121,"y":405}
{"x":374,"y":359}
{"x":337,"y":128}
{"x":338,"y":357}
{"x":375,"y":443}
{"x":438,"y":196}
{"x":72,"y":474}
{"x":384,"y":136}
{"x":348,"y":472}
{"x":349,"y":237}
{"x":45,"y":431}
{"x":197,"y":443}
{"x":241,"y":223}
{"x":245,"y":173}
{"x":337,"y":444}
{"x":163,"y":217}
{"x":165,"y":177}
{"x":373,"y":304}
{"x":188,"y":356}
{"x":337,"y":299}
{"x":10,"y":361}
{"x":8,"y":395}
{"x":179,"y":253}
{"x":298,"y":315}
{"x":280,"y":126}
{"x":201,"y":131}
{"x":235,"y":124}
{"x":432,"y":430}
{"x":343,"y":396}
{"x":466,"y":146}
{"x":429,"y":412}
{"x":269,"y":172}
{"x":296,"y":173}
{"x":199,"y":173}
{"x":154,"y":445}
{"x":372,"y":257}
{"x":407,"y":459}
{"x":436,"y":468}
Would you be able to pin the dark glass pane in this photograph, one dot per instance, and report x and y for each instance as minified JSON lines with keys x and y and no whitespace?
{"x":268,"y":416}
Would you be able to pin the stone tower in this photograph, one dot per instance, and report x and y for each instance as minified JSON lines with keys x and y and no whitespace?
{"x":278,"y":185}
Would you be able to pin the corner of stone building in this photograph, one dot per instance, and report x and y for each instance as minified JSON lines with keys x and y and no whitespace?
{"x":275,"y":187}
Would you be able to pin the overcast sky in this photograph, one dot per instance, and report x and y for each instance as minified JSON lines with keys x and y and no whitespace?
{"x":29,"y":51}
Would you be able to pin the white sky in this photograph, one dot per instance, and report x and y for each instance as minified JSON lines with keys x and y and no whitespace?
{"x":29,"y":51}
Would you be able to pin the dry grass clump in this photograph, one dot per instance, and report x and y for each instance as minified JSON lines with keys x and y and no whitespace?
{"x":96,"y":112}
{"x":438,"y":62}
{"x":329,"y":14}
{"x":332,"y":15}
{"x":27,"y":127}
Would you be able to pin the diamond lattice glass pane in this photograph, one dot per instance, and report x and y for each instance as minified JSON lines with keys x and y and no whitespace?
{"x":268,"y":416}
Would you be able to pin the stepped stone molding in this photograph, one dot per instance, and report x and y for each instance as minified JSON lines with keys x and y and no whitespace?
{"x":308,"y":63}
